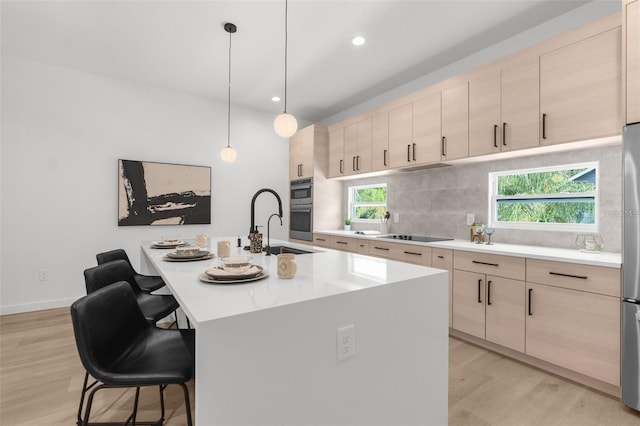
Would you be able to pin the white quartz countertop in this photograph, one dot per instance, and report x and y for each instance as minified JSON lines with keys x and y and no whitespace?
{"x":606,"y":259}
{"x":323,"y":273}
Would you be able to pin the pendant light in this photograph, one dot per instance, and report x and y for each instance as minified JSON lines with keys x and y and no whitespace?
{"x":228,"y":154}
{"x":285,"y":124}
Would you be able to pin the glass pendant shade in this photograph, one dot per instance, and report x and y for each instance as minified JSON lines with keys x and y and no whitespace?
{"x":285,"y":125}
{"x":228,"y":154}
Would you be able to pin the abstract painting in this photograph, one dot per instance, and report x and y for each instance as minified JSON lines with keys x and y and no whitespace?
{"x":163,"y":194}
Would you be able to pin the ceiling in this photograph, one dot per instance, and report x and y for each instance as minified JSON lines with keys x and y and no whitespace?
{"x":181,"y":45}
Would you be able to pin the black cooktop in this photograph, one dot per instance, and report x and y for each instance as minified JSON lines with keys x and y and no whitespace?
{"x":419,"y":238}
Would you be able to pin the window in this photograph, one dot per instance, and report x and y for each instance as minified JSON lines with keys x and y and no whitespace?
{"x":562,"y":198}
{"x":367,"y":202}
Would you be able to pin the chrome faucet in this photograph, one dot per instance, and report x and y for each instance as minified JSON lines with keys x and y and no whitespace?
{"x":268,"y":247}
{"x":254,"y":235}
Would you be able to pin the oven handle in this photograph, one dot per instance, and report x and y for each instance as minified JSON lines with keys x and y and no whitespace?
{"x":305,"y":210}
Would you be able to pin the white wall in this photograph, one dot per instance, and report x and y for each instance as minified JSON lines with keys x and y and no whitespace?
{"x":62,"y":133}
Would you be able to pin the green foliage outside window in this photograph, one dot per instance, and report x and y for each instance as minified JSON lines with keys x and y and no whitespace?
{"x":538,"y":197}
{"x":368,"y":202}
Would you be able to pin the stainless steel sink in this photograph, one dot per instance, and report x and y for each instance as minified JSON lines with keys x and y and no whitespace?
{"x":287,"y":249}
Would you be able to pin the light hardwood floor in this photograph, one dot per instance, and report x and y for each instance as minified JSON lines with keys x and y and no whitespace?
{"x":41,"y":378}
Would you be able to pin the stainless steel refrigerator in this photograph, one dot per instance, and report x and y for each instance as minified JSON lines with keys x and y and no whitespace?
{"x":631,"y":269}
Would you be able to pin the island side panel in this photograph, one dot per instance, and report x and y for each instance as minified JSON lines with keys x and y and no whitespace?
{"x":279,"y":366}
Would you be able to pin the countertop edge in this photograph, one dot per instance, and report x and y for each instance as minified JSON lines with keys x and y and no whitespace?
{"x":604,"y":259}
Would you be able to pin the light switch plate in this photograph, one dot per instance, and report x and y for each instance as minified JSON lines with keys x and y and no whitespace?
{"x":396,"y":217}
{"x":470,"y":218}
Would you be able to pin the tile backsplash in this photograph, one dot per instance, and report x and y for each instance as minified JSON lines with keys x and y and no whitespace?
{"x":436,"y":201}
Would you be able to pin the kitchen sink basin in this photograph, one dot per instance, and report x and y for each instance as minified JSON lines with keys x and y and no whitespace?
{"x":287,"y":249}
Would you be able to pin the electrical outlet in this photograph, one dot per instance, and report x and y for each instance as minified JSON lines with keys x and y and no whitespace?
{"x":396,"y":217}
{"x":470,"y":218}
{"x":43,"y":275}
{"x":346,"y":342}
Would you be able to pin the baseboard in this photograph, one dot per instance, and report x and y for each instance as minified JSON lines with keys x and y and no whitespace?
{"x":37,"y":306}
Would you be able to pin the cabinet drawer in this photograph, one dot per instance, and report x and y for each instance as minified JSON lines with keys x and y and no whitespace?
{"x":442,"y":259}
{"x":322,"y":240}
{"x":344,"y":244}
{"x":362,"y":246}
{"x":594,"y":279}
{"x":411,"y":253}
{"x":492,"y":264}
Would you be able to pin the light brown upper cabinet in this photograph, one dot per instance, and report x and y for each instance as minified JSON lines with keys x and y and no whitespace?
{"x":415,"y":131}
{"x":336,"y":153}
{"x":504,"y":107}
{"x":357,"y":147}
{"x":427,"y":130}
{"x":380,"y":141}
{"x":631,"y":58}
{"x":400,"y":135}
{"x":455,"y":122}
{"x":580,"y":90}
{"x":301,"y":154}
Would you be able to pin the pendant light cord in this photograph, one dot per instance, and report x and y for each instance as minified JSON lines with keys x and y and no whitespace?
{"x":229,"y":99}
{"x":286,"y":14}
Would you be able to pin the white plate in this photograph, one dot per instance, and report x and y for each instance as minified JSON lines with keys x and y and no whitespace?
{"x":226,"y":276}
{"x":207,"y":279}
{"x":187,"y":259}
{"x":175,"y":255}
{"x":168,"y":244}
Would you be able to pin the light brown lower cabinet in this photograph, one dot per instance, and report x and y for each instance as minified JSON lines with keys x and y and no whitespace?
{"x":574,"y":329}
{"x":420,"y":255}
{"x":443,"y":259}
{"x":322,"y":240}
{"x":490,"y":308}
{"x":344,"y":244}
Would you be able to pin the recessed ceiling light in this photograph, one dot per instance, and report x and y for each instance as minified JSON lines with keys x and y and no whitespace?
{"x":276,"y":99}
{"x":358,"y":41}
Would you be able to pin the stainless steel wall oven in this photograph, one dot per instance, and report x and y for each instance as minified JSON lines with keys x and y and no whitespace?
{"x":301,"y":210}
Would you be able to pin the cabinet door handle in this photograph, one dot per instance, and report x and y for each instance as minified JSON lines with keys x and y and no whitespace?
{"x":408,"y":153}
{"x":443,"y":148}
{"x":358,"y":162}
{"x":504,"y":134}
{"x":581,"y":277}
{"x":341,"y":166}
{"x":414,"y":152}
{"x":479,"y":284}
{"x":529,"y":304}
{"x":485,"y":263}
{"x":381,"y":248}
{"x":495,"y":135}
{"x":544,"y":126}
{"x":384,"y":158}
{"x":353,"y":164}
{"x":489,"y":292}
{"x":413,"y":253}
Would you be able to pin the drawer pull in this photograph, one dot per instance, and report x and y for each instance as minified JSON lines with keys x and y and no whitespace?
{"x":321,"y":239}
{"x":582,"y":277}
{"x":413,"y":253}
{"x":484,"y":263}
{"x":529,"y":305}
{"x":342,"y":242}
{"x":381,"y":248}
{"x":479,"y":284}
{"x":489,"y":292}
{"x":440,"y":257}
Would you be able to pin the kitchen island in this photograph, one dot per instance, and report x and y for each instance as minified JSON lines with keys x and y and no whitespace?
{"x":267,"y":352}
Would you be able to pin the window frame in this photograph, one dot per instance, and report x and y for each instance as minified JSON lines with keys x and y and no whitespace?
{"x":493,"y":199}
{"x":352,"y":204}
